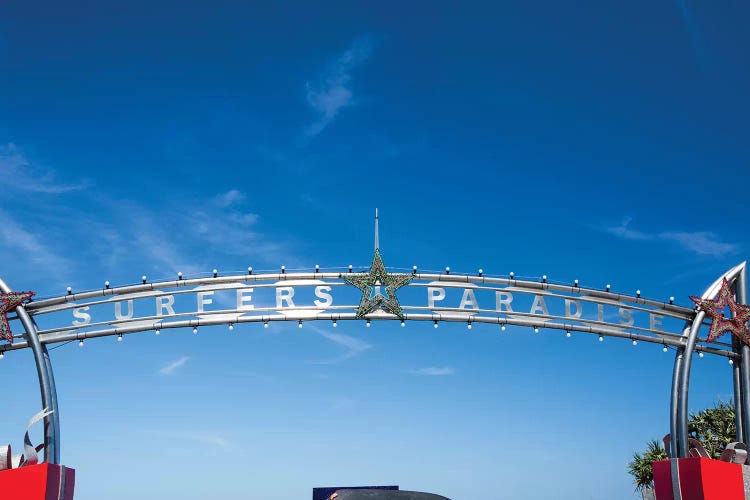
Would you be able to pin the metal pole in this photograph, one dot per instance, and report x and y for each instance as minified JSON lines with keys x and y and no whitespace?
{"x":55,"y":451}
{"x":684,"y":386}
{"x":46,"y":387}
{"x":739,"y":397}
{"x":673,"y":431}
{"x":740,"y":288}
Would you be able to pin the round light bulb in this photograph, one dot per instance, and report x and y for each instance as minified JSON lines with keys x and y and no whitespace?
{"x":536,"y":329}
{"x":335,"y":324}
{"x":80,"y":343}
{"x":157,"y":331}
{"x":502,"y":327}
{"x":368,"y":323}
{"x":265,"y":324}
{"x":435,"y":325}
{"x":601,"y":338}
{"x":731,"y":361}
{"x":635,"y":342}
{"x":2,"y":355}
{"x":231,"y":327}
{"x":665,"y":349}
{"x":195,"y":331}
{"x":299,"y":325}
{"x":119,"y":338}
{"x":468,"y":326}
{"x":403,"y":324}
{"x":700,"y":354}
{"x":567,"y":334}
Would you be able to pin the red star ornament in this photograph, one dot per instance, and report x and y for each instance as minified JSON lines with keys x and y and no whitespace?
{"x":719,"y":324}
{"x":8,"y":302}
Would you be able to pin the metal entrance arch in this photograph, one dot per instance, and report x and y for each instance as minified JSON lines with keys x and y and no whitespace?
{"x":263,"y":297}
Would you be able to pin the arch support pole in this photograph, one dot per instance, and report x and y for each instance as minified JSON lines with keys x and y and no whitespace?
{"x":46,"y":383}
{"x":740,"y":289}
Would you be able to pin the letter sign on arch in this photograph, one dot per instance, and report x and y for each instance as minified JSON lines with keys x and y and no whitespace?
{"x":379,"y":294}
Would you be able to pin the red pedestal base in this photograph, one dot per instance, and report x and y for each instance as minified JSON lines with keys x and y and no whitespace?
{"x":37,"y":482}
{"x":700,"y":479}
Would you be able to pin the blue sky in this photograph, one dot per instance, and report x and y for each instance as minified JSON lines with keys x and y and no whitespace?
{"x":605,"y":142}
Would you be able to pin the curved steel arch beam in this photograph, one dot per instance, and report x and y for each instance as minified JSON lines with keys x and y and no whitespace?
{"x":683,"y":361}
{"x":46,"y":383}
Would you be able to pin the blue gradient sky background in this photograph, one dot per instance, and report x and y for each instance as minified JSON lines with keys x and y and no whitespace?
{"x":604,"y":141}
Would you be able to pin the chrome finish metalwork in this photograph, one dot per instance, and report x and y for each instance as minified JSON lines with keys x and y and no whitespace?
{"x":46,"y":382}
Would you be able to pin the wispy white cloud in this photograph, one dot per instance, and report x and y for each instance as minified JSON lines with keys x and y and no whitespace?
{"x":332,"y":91}
{"x":19,"y":173}
{"x":210,"y":439}
{"x":433,"y":371}
{"x":353,"y":346}
{"x":229,"y":198}
{"x":172,"y":367}
{"x":25,"y":244}
{"x":698,"y":242}
{"x":701,"y":242}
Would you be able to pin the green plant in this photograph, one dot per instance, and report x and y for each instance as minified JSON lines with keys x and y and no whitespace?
{"x":713,"y":427}
{"x":641,"y":467}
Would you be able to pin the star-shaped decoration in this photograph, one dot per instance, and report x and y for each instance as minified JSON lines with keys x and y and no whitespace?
{"x":719,"y":324}
{"x":371,"y":283}
{"x":8,"y":302}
